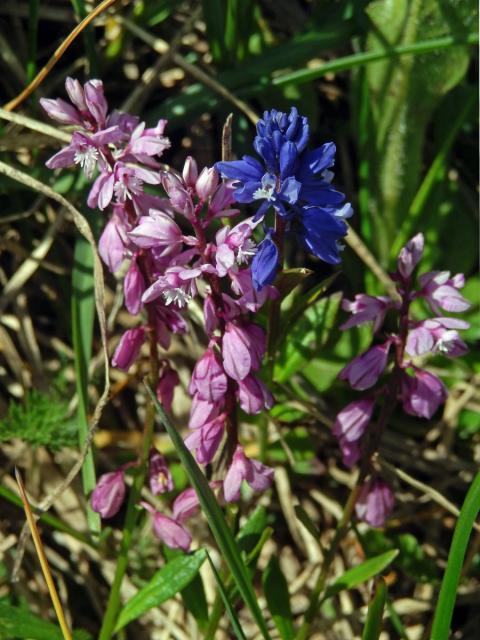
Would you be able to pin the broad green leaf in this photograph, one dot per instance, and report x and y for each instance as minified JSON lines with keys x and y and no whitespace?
{"x":363,"y":572}
{"x":456,"y":555}
{"x":376,"y":606}
{"x":19,"y":623}
{"x":166,"y":582}
{"x":226,"y":601}
{"x":403,"y":95}
{"x":215,"y":518}
{"x":307,"y":336}
{"x":276,"y":592}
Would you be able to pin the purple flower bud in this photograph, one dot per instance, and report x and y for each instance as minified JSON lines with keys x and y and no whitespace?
{"x":375,"y":502}
{"x":128,"y":348}
{"x":179,"y":197}
{"x":253,"y":395}
{"x":422,"y":393}
{"x":202,"y":412}
{"x":171,"y":532}
{"x":222,"y":199}
{"x":186,"y":503}
{"x":190,"y":172}
{"x":96,"y":102}
{"x":61,"y":111}
{"x":410,"y":255}
{"x":157,"y":230}
{"x":243,"y":348}
{"x":133,"y":287}
{"x":159,"y":476}
{"x":350,"y":426}
{"x":208,"y":381}
{"x":166,"y":387}
{"x":441,"y":291}
{"x":112,"y":243}
{"x":364,"y":309}
{"x":257,"y":475}
{"x":364,"y":371}
{"x":108,"y":495}
{"x":210,"y":314}
{"x":206,"y":183}
{"x":76,"y":94}
{"x":206,"y":439}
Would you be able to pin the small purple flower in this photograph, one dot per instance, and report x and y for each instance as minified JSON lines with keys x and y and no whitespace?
{"x":256,"y":474}
{"x":364,"y":371}
{"x":206,"y":439}
{"x":253,"y":395}
{"x":422,"y":394}
{"x":159,"y":476}
{"x":375,"y":502}
{"x":437,"y":335}
{"x":133,"y":288}
{"x":157,"y":230}
{"x":366,"y":308}
{"x":186,"y":503}
{"x":166,"y":387}
{"x":128,"y":348}
{"x":113,"y":241}
{"x":208,"y":381}
{"x":190,"y":172}
{"x":441,"y":291}
{"x":243,"y":347}
{"x":108,"y":495}
{"x":410,"y":256}
{"x":350,"y":427}
{"x":203,"y":411}
{"x":171,"y":532}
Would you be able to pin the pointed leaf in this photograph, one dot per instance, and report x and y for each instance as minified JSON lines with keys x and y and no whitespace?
{"x":278,"y":598}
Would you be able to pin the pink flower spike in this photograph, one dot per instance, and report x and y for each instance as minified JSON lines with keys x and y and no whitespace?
{"x":364,"y":309}
{"x":257,"y":475}
{"x":133,"y":288}
{"x":166,"y":387}
{"x":410,"y":255}
{"x":364,"y":371}
{"x":171,"y":532}
{"x":208,"y":381}
{"x":128,"y":348}
{"x":159,"y":476}
{"x":108,"y":495}
{"x":375,"y":502}
{"x":422,"y":394}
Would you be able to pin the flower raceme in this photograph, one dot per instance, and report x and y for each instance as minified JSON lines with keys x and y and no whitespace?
{"x":296,"y":184}
{"x":420,"y":392}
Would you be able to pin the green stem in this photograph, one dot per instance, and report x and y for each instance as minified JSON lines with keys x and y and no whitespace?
{"x":32,"y":40}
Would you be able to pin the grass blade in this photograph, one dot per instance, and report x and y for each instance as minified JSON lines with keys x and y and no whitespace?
{"x":373,"y":624}
{"x":448,"y":591}
{"x":216,"y":519}
{"x":226,"y":601}
{"x":278,"y":599}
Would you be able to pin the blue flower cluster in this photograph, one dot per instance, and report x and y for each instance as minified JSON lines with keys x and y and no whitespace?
{"x":297,"y":184}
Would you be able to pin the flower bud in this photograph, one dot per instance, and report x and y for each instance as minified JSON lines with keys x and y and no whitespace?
{"x":159,"y":476}
{"x":133,"y":287}
{"x":128,"y":348}
{"x":108,"y":495}
{"x":190,"y":172}
{"x":410,"y":255}
{"x":375,"y":502}
{"x":206,"y":183}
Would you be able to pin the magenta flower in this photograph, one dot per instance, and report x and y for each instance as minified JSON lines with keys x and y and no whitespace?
{"x":253,"y":395}
{"x":208,"y":381}
{"x":422,"y":393}
{"x":375,"y":502}
{"x":171,"y":532}
{"x":243,"y":347}
{"x":159,"y":476}
{"x":364,"y":371}
{"x":186,"y":504}
{"x":133,"y":288}
{"x":206,"y":439}
{"x":203,"y":411}
{"x":366,"y":308}
{"x":113,"y":242}
{"x":157,"y":230}
{"x":350,"y":426}
{"x":410,"y":255}
{"x":167,"y":382}
{"x":128,"y":348}
{"x":256,"y":474}
{"x":442,"y":292}
{"x":109,"y":494}
{"x":437,"y":335}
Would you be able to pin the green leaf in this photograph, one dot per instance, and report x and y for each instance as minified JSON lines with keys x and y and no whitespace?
{"x":226,"y":601}
{"x":278,"y":598}
{"x":307,"y":336}
{"x":373,"y":624}
{"x":166,"y":582}
{"x":448,"y":591}
{"x":251,"y":532}
{"x":216,"y":520}
{"x":363,"y":572}
{"x":16,"y":622}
